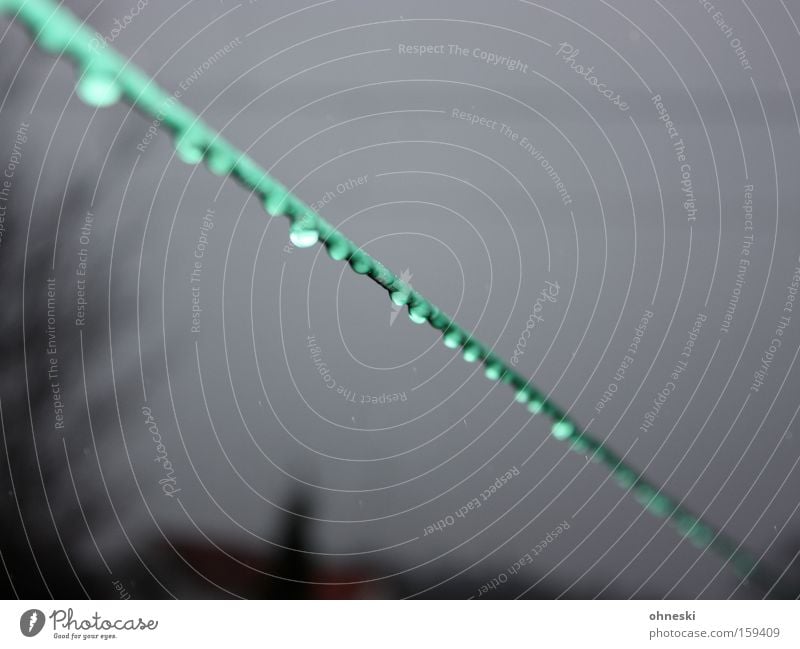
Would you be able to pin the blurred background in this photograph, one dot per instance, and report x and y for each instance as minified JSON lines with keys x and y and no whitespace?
{"x":604,"y":192}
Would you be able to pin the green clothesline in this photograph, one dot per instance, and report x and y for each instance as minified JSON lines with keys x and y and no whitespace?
{"x":106,"y":77}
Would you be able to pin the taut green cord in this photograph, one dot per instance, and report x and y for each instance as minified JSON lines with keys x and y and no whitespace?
{"x":107,"y":77}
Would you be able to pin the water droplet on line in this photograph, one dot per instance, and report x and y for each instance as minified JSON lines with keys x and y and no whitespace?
{"x":419,"y":313}
{"x":337,"y":249}
{"x":400,"y":298}
{"x":471,"y":352}
{"x":189,"y":149}
{"x":493,"y":371}
{"x":562,"y":430}
{"x":535,"y":406}
{"x":359,"y":263}
{"x":99,"y":89}
{"x":276,"y":202}
{"x":303,"y":237}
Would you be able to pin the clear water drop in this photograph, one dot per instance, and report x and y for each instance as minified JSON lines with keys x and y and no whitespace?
{"x":400,"y":298}
{"x":220,"y":162}
{"x":562,"y":430}
{"x":303,"y":238}
{"x":523,"y":395}
{"x":471,"y":353}
{"x":624,"y":477}
{"x":338,"y":250}
{"x":99,"y":89}
{"x":452,"y":339}
{"x":276,"y":202}
{"x":419,"y":314}
{"x":52,"y":38}
{"x":701,"y":536}
{"x":493,"y":371}
{"x":535,"y":406}
{"x":660,"y":506}
{"x":189,"y":148}
{"x":359,"y":263}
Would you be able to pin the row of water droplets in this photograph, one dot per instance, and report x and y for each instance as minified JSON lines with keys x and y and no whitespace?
{"x":105,"y":78}
{"x":197,"y":144}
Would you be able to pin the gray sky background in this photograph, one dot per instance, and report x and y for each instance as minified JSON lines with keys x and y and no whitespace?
{"x":326,"y":94}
